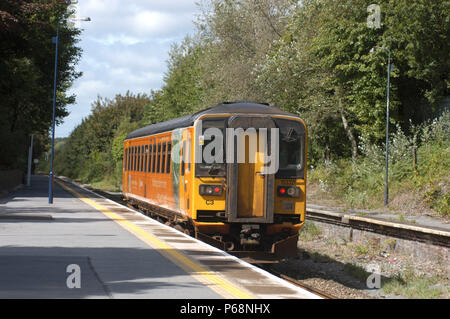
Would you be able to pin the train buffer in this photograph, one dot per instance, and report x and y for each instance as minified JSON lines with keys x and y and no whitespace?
{"x":87,"y":246}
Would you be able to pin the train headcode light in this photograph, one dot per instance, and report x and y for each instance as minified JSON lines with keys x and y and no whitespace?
{"x":289,"y":191}
{"x":211,"y":190}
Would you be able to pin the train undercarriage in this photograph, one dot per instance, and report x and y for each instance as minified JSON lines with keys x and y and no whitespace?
{"x":246,"y":241}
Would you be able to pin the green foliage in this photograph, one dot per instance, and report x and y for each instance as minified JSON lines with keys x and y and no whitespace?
{"x":94,"y":150}
{"x":182,"y":93}
{"x":410,"y":285}
{"x":309,"y":231}
{"x":361,"y":183}
{"x":26,"y":74}
{"x":322,"y":69}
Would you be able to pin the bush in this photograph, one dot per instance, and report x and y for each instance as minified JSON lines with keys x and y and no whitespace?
{"x":360,"y":183}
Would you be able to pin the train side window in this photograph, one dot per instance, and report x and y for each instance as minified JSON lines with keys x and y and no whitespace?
{"x":158,"y":159}
{"x":135,"y":158}
{"x":169,"y":150}
{"x":138,"y":161}
{"x":124,"y":161}
{"x":142,"y":158}
{"x":132,"y":159}
{"x":154,"y":159}
{"x":136,"y":154}
{"x":136,"y":168}
{"x":145,"y":158}
{"x":138,"y":150}
{"x":188,"y":157}
{"x":163,"y":161}
{"x":139,"y":158}
{"x":150,"y":150}
{"x":127,"y":167}
{"x":150,"y":155}
{"x":130,"y":164}
{"x":128,"y":159}
{"x":133,"y":153}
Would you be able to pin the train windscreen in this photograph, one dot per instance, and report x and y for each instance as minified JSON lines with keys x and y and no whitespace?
{"x":291,"y":148}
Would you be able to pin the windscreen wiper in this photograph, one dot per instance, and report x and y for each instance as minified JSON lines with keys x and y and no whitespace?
{"x":214,"y":169}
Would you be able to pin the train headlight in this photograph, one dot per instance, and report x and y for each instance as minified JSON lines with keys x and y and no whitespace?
{"x":289,"y":191}
{"x":211,"y":190}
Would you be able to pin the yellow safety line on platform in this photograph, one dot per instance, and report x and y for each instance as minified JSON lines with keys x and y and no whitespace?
{"x":174,"y":255}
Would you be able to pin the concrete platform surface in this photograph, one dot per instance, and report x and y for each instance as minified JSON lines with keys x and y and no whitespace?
{"x":86,"y":246}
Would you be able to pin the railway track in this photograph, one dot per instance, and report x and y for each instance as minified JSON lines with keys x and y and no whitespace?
{"x":396,"y":229}
{"x":429,"y":235}
{"x":296,"y":282}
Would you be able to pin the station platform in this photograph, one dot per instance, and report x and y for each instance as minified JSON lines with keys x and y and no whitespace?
{"x":87,"y":246}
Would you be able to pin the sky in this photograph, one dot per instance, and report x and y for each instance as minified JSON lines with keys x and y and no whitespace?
{"x":125,"y":47}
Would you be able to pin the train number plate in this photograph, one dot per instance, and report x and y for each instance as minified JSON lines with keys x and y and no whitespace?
{"x":288,"y":205}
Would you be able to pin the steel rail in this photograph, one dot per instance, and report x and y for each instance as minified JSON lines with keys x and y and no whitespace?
{"x":429,"y":235}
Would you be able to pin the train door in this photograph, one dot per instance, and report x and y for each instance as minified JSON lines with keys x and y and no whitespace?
{"x":250,"y":192}
{"x":185,"y":172}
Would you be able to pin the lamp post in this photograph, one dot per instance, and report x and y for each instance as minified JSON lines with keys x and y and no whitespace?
{"x":386,"y":182}
{"x":51,"y":176}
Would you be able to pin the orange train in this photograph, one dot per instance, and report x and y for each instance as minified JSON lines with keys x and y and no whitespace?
{"x":232,"y":202}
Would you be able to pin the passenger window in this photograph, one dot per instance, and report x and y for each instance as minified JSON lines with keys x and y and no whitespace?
{"x":124,"y":161}
{"x":163,"y":161}
{"x":139,"y":158}
{"x":129,"y":158}
{"x":132,"y":158}
{"x":154,"y":159}
{"x":142,"y":157}
{"x":158,"y":159}
{"x":150,"y":152}
{"x":169,"y":150}
{"x":188,"y":157}
{"x":127,"y":164}
{"x":135,"y":158}
{"x":145,"y":158}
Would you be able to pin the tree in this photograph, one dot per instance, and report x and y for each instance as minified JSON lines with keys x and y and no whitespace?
{"x":26,"y":72}
{"x":236,"y":36}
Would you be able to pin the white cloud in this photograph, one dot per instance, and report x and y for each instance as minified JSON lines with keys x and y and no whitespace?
{"x":125,"y":47}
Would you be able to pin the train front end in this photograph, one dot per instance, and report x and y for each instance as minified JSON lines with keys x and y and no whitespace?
{"x":249,"y":192}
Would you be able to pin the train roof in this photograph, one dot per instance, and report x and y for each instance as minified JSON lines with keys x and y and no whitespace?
{"x":222,"y":108}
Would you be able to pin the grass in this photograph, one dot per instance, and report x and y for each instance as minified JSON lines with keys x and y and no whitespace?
{"x":309,"y":231}
{"x":106,"y":184}
{"x":361,"y":249}
{"x":407,"y":284}
{"x":412,"y":286}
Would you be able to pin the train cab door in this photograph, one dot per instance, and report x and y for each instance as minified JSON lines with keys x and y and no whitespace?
{"x":250,"y":194}
{"x":185,"y":172}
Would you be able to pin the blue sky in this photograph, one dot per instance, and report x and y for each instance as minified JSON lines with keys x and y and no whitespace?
{"x":125,"y":47}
